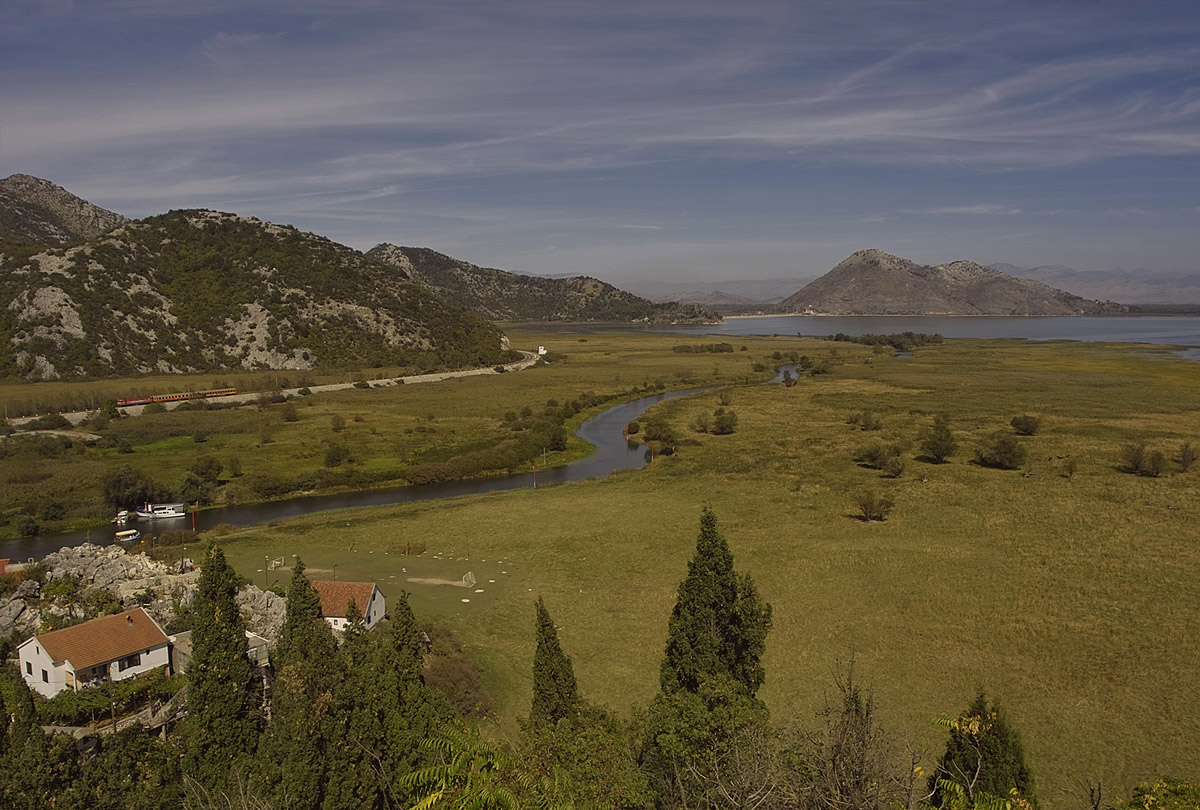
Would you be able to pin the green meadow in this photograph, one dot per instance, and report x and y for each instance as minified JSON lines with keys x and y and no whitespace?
{"x":1067,"y":588}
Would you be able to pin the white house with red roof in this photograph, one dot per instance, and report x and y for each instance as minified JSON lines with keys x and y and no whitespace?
{"x":335,"y":596}
{"x":110,"y":648}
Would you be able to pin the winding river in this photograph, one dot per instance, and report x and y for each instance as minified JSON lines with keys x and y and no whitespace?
{"x":605,"y":431}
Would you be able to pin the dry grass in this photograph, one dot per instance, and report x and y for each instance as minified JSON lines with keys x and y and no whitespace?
{"x":1075,"y":602}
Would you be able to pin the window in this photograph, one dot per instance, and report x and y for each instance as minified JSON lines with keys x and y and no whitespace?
{"x":28,"y":667}
{"x":45,"y":676}
{"x":129,"y":661}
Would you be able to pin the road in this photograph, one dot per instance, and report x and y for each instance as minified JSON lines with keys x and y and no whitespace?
{"x":527,"y":360}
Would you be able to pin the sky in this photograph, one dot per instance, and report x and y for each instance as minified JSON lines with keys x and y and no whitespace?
{"x":655,"y":139}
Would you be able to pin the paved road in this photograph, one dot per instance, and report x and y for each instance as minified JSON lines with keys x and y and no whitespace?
{"x":527,"y":360}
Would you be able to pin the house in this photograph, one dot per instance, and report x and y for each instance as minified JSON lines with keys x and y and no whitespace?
{"x":110,"y":648}
{"x":335,"y":596}
{"x":181,"y":650}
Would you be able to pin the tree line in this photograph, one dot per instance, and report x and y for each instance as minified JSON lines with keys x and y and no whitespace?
{"x":353,"y":724}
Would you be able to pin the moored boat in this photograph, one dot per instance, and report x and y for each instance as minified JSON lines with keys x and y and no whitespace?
{"x":152,"y":511}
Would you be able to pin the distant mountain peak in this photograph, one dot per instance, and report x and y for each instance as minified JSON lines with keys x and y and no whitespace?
{"x":872,"y":282}
{"x":36,"y":211}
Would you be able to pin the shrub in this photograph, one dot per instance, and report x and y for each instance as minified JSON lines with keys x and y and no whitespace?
{"x":336,"y":454}
{"x":153,"y":407}
{"x":939,"y":445}
{"x":51,"y":510}
{"x":1187,"y":457}
{"x":27,"y":526}
{"x":877,"y":455}
{"x":873,"y":506}
{"x":1025,"y":424}
{"x":865,"y":420}
{"x":724,"y":422}
{"x":633,"y":427}
{"x":362,"y":384}
{"x":1002,"y":451}
{"x":337,"y":422}
{"x":1136,"y":459}
{"x":199,"y":437}
{"x":893,"y":467}
{"x":290,"y":414}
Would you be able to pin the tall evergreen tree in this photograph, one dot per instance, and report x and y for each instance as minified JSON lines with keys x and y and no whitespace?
{"x":384,"y":709}
{"x":555,"y":694}
{"x":719,"y":625}
{"x":984,"y":756}
{"x":711,"y":671}
{"x":292,"y":756}
{"x":221,"y":729}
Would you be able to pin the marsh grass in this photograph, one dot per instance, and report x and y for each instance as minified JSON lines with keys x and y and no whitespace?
{"x":1074,"y":602}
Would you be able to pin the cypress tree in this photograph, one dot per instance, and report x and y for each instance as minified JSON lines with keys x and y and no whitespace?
{"x":711,"y":672}
{"x":719,"y":625}
{"x":292,"y":757}
{"x":983,"y":742}
{"x":221,"y":729}
{"x":555,"y":694}
{"x":383,"y":711}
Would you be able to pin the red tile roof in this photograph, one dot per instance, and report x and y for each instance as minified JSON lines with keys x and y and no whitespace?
{"x":335,"y":596}
{"x":105,"y":639}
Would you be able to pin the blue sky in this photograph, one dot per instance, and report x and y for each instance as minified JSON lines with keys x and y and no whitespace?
{"x":653,"y":139}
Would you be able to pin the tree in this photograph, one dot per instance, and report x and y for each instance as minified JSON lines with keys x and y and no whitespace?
{"x":711,"y":671}
{"x":207,"y":468}
{"x":1002,"y":451}
{"x":127,"y":488}
{"x":293,"y":754}
{"x":984,"y":756}
{"x":221,"y":729}
{"x":555,"y":695}
{"x":939,"y":445}
{"x":719,"y":624}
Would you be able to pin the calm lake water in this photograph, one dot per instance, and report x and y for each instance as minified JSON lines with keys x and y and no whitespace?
{"x":1175,"y":331}
{"x":605,"y":431}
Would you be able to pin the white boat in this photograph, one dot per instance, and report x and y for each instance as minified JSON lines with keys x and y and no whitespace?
{"x":128,"y":535}
{"x":152,"y":511}
{"x":122,"y":517}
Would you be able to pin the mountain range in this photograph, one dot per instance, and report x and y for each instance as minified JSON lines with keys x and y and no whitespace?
{"x":89,"y":293}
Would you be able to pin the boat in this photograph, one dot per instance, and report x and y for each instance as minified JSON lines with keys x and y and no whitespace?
{"x":152,"y":511}
{"x":128,"y":536}
{"x":122,"y":517}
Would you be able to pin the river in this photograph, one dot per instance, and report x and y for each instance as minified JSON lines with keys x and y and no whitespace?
{"x":605,"y":431}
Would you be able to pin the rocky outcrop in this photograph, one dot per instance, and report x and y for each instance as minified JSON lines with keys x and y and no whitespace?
{"x":37,"y":211}
{"x":871,"y":282}
{"x":135,"y":579}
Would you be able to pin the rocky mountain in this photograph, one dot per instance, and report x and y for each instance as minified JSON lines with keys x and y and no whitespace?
{"x":871,"y":282}
{"x":504,"y":296}
{"x":203,"y":290}
{"x":36,"y":211}
{"x":1140,"y":286}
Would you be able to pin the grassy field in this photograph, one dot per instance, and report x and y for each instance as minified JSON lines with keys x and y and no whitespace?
{"x":385,"y":431}
{"x":1073,"y":600}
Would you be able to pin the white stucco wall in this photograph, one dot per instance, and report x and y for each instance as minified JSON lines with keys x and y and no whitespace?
{"x":34,"y":661}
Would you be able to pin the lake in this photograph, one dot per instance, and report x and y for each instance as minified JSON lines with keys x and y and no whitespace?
{"x":1175,"y":331}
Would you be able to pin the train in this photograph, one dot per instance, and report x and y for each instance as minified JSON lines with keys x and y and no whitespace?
{"x":217,"y":392}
